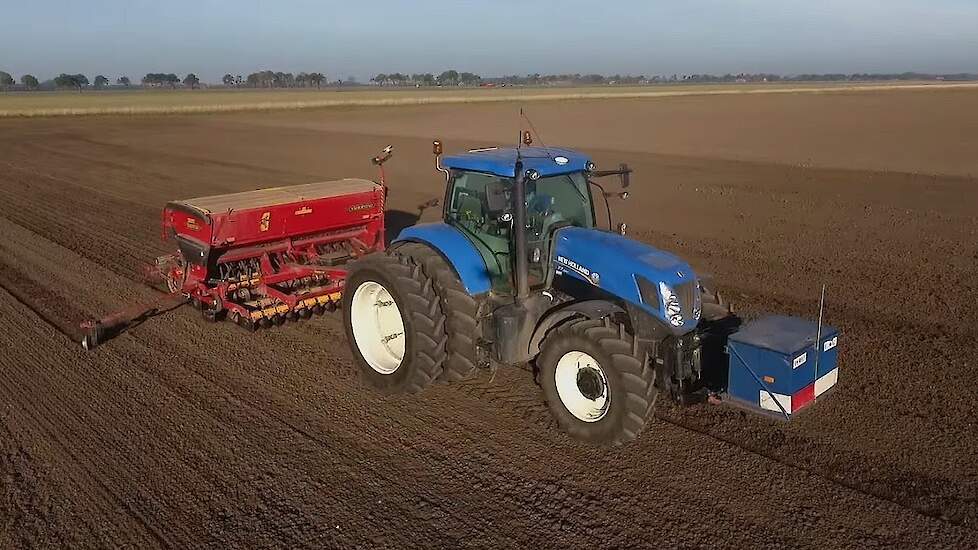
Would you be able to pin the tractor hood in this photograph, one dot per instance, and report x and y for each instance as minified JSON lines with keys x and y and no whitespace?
{"x":656,"y":281}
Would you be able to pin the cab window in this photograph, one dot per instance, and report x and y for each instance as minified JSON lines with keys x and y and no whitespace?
{"x":480,"y":205}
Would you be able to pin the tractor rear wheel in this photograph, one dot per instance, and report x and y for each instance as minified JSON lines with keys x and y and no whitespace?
{"x":394,"y":323}
{"x":596,"y":382}
{"x":460,"y":309}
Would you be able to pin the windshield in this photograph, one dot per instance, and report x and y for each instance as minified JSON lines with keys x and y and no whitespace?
{"x":478,"y":201}
{"x":562,"y":198}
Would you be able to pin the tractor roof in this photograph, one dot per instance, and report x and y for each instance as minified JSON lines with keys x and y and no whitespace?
{"x":548,"y":161}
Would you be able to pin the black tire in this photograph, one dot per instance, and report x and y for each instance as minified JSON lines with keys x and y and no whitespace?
{"x":412,"y":290}
{"x":630,"y":382}
{"x":461,"y":313}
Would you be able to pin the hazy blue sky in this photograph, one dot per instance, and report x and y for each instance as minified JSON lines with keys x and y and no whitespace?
{"x":362,"y":38}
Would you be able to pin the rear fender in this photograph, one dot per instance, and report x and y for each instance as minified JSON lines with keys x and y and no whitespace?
{"x":456,"y":249}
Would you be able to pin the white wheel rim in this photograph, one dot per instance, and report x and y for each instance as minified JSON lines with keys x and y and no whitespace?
{"x":582,"y":386}
{"x":377,"y":327}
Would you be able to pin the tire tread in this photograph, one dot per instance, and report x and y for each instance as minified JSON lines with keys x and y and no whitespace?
{"x":628,"y":361}
{"x":460,"y":312}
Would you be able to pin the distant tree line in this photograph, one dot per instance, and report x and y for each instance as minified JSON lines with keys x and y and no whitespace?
{"x":262,"y":79}
{"x":275,"y":79}
{"x":77,"y":81}
{"x":455,"y":78}
{"x":451,"y":77}
{"x":161,"y":79}
{"x":595,"y":79}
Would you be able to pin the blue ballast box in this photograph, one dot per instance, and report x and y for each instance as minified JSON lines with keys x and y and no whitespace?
{"x":773,"y":363}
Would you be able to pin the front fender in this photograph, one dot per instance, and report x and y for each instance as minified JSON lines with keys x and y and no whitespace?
{"x":592,"y":309}
{"x":456,"y":249}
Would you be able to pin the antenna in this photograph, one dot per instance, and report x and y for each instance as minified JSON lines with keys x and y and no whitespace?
{"x":818,"y":332}
{"x":519,"y":140}
{"x":532,"y":127}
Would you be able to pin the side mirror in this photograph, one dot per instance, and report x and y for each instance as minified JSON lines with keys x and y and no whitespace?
{"x":625,"y":175}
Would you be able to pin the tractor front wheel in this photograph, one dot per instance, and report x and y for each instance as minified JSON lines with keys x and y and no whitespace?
{"x":393,"y":322}
{"x":596,"y":382}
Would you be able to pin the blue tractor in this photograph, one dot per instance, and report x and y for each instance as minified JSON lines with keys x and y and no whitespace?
{"x":518,"y":273}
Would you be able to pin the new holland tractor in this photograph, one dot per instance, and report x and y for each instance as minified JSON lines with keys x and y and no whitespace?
{"x":519,"y":273}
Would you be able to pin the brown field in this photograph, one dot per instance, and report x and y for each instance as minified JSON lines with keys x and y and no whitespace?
{"x":182,"y":434}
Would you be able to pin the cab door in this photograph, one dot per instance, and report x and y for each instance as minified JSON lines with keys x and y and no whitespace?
{"x":551,"y":203}
{"x":479,"y":205}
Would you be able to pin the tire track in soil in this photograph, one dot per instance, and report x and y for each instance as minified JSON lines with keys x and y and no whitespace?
{"x":27,"y":302}
{"x":293,"y":427}
{"x":273,"y":391}
{"x":40,"y":418}
{"x":150,"y":360}
{"x":31,"y":270}
{"x":930,"y":496}
{"x":499,"y":482}
{"x":259,"y":393}
{"x":531,"y":503}
{"x":254,"y":396}
{"x":79,"y":460}
{"x":96,"y":227}
{"x":531,"y":410}
{"x":27,"y":293}
{"x":496,"y":479}
{"x":30,"y":512}
{"x":393,"y":480}
{"x":528,"y":408}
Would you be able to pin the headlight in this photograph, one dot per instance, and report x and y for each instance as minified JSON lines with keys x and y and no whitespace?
{"x":671,"y":306}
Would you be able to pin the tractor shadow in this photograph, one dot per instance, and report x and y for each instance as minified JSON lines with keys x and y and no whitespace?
{"x":396,"y":220}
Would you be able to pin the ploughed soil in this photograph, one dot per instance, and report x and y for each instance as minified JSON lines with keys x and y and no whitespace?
{"x":180,"y":433}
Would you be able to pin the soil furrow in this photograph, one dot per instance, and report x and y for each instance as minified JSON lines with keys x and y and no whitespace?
{"x":214,"y":437}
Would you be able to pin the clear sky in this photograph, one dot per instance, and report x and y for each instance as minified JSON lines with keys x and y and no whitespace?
{"x":489,"y":37}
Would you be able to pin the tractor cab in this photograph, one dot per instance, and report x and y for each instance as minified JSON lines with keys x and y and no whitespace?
{"x":479,"y":203}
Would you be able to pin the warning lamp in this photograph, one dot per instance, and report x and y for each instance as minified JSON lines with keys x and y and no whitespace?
{"x":436,"y":148}
{"x":527,"y":138}
{"x":379,"y":161}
